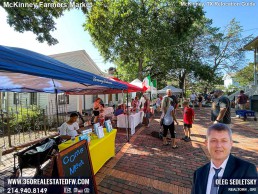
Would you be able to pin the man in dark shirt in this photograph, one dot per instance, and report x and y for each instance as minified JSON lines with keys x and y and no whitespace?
{"x":220,"y":110}
{"x":242,"y":99}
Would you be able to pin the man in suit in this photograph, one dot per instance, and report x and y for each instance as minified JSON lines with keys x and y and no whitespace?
{"x":219,"y":143}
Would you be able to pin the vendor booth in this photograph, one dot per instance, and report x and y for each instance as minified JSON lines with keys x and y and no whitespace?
{"x":101,"y":150}
{"x":133,"y":119}
{"x":128,"y":120}
{"x":26,"y":71}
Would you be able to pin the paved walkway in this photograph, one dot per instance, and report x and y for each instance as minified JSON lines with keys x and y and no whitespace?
{"x":145,"y":166}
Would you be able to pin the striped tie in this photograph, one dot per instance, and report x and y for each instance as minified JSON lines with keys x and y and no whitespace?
{"x":214,"y":188}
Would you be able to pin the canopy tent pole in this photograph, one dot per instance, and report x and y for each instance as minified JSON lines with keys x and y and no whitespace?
{"x":84,"y":103}
{"x":128,"y":135}
{"x":57,"y":117}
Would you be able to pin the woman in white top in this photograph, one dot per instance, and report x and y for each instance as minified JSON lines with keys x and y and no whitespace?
{"x":168,"y":116}
{"x":70,"y":128}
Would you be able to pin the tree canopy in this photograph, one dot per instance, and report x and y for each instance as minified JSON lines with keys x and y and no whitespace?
{"x":246,"y":75}
{"x":142,"y":36}
{"x":162,"y":38}
{"x":36,"y":16}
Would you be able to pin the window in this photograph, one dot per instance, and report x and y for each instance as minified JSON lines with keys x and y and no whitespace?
{"x":63,"y":99}
{"x":33,"y":98}
{"x":116,"y":97}
{"x":15,"y":98}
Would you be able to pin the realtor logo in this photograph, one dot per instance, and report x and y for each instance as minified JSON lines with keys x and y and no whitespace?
{"x":67,"y":190}
{"x":75,"y":190}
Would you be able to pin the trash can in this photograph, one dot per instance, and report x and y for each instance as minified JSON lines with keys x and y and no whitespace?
{"x":254,"y":103}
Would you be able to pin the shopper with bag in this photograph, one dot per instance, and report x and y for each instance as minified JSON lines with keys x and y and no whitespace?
{"x":168,"y":118}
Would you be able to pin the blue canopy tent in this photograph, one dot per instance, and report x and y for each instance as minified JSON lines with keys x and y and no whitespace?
{"x":27,"y":62}
{"x":22,"y":70}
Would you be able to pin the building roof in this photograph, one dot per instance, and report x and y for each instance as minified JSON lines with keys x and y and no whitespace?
{"x":229,"y":75}
{"x":251,"y":45}
{"x":80,"y":60}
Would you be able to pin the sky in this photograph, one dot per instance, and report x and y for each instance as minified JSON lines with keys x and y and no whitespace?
{"x":71,"y":35}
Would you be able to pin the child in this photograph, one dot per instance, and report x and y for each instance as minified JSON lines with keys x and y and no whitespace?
{"x":188,"y":116}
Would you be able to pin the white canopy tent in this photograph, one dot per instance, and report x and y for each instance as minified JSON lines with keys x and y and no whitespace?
{"x":172,"y":88}
{"x":138,"y":83}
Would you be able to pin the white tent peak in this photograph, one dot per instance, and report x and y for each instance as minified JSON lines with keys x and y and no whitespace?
{"x":137,"y":82}
{"x":172,"y":88}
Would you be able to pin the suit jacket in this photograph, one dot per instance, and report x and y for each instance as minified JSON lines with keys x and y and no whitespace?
{"x":235,"y":168}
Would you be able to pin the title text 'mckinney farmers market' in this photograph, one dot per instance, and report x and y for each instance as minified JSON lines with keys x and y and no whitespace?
{"x":44,"y":5}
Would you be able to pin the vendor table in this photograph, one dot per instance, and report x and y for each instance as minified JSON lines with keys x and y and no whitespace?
{"x":134,"y":120}
{"x":101,"y":150}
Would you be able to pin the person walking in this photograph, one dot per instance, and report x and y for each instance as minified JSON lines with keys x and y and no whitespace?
{"x":200,"y":99}
{"x":220,"y":110}
{"x":168,"y":117}
{"x":193,"y":99}
{"x":146,"y":110}
{"x":158,"y":102}
{"x":222,"y":165}
{"x":242,"y":100}
{"x":173,"y":99}
{"x":188,"y":117}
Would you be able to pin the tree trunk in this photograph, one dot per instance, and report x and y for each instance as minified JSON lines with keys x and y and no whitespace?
{"x":182,"y":78}
{"x":140,"y":76}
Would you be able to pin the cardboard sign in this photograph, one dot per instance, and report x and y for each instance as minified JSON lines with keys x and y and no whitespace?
{"x":96,"y":125}
{"x":108,"y":126}
{"x":86,"y":131}
{"x":100,"y":132}
{"x":75,"y":162}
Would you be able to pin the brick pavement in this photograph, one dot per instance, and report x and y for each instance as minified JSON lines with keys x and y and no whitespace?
{"x":145,"y":166}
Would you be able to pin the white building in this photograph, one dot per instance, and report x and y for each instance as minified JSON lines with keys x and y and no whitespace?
{"x":229,"y":80}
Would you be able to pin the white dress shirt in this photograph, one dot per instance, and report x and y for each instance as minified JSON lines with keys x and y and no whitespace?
{"x":212,"y":173}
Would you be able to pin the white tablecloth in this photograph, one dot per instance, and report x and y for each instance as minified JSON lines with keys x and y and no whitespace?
{"x":108,"y":110}
{"x":134,"y":120}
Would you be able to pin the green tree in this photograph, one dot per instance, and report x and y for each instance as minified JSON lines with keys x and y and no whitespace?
{"x":38,"y":19}
{"x":140,"y":35}
{"x":189,"y":67}
{"x":218,"y":51}
{"x":246,"y":75}
{"x":221,"y":49}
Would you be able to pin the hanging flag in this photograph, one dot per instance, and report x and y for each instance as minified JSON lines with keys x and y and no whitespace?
{"x":154,"y":83}
{"x":146,"y":83}
{"x":154,"y":87}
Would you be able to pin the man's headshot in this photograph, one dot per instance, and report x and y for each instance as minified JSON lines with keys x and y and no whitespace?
{"x":222,"y":163}
{"x":219,"y":143}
